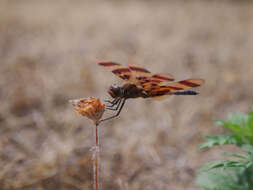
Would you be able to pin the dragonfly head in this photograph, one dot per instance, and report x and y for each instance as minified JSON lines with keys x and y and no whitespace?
{"x":114,"y":91}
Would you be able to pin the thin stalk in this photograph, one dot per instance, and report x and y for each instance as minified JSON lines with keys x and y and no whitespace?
{"x":96,"y":160}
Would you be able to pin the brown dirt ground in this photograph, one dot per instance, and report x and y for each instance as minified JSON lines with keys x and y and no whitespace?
{"x":48,"y":51}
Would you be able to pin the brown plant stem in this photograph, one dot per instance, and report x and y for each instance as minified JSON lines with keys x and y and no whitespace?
{"x":96,"y":160}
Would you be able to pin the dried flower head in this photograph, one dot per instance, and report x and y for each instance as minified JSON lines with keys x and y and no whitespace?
{"x":91,"y":108}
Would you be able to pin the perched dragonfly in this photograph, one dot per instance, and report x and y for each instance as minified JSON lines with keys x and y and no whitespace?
{"x":142,"y":83}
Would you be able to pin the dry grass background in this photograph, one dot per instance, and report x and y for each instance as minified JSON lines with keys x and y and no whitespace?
{"x":47,"y":55}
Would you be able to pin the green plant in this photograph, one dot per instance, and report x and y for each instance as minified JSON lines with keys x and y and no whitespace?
{"x":236,"y":174}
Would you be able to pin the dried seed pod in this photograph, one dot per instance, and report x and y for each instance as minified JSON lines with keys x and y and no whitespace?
{"x":91,"y":108}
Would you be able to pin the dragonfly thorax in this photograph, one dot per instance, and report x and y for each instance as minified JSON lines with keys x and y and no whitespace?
{"x":126,"y":91}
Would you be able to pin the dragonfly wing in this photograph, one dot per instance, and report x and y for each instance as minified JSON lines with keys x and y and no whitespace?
{"x":140,"y":74}
{"x":162,"y":77}
{"x":143,"y":76}
{"x":185,"y":84}
{"x":119,"y":70}
{"x":174,"y":88}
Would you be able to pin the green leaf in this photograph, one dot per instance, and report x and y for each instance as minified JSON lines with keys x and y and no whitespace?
{"x":235,"y":128}
{"x":243,"y":156}
{"x":222,"y":164}
{"x":250,"y":123}
{"x":240,"y":124}
{"x":218,"y":181}
{"x":219,"y":122}
{"x":247,"y":147}
{"x":230,"y":174}
{"x":220,"y":140}
{"x":238,"y":119}
{"x":249,"y":164}
{"x":251,"y":113}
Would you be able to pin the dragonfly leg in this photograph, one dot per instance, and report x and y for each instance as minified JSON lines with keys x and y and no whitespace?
{"x":117,"y":107}
{"x":122,"y":104}
{"x":112,"y":103}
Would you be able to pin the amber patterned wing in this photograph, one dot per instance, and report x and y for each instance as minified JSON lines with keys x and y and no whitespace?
{"x":144,"y":77}
{"x":136,"y":74}
{"x":161,"y":90}
{"x":162,"y":77}
{"x":155,"y":80}
{"x":119,"y":70}
{"x":140,"y":74}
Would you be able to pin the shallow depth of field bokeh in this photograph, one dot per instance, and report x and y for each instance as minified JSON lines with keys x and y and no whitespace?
{"x":48,"y":51}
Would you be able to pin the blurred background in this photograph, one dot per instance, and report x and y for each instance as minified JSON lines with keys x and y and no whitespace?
{"x":48,"y":51}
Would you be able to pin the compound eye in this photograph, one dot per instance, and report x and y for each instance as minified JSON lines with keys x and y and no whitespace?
{"x":111,"y":93}
{"x":114,"y":86}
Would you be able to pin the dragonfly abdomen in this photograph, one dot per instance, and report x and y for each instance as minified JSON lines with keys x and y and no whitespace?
{"x":187,"y":92}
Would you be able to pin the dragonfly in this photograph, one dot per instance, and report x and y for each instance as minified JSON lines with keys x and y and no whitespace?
{"x":141,"y":83}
